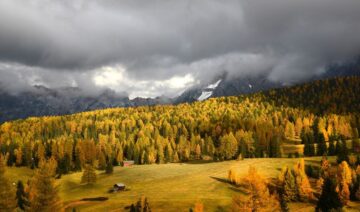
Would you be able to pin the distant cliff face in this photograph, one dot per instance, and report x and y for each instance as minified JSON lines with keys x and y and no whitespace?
{"x":43,"y":101}
{"x":227,"y":87}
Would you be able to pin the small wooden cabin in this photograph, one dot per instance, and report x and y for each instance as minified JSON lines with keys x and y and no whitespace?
{"x":128,"y":163}
{"x":119,"y":187}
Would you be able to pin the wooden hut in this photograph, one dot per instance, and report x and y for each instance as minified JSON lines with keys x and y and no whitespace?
{"x":119,"y":187}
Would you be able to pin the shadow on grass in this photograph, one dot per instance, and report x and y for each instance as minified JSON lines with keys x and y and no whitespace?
{"x":231,"y":186}
{"x":220,"y":209}
{"x":95,"y":199}
{"x":223,"y":180}
{"x":198,"y":161}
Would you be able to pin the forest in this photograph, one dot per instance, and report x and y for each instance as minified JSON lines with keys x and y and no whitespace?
{"x":323,"y":114}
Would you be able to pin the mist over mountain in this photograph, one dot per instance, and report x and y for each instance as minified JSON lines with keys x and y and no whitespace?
{"x":133,"y":105}
{"x":59,"y":57}
{"x":163,"y":48}
{"x":40,"y":100}
{"x":231,"y":86}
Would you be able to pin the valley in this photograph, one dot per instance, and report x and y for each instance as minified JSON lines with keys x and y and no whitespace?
{"x":179,"y":157}
{"x":169,"y":187}
{"x":179,"y":106}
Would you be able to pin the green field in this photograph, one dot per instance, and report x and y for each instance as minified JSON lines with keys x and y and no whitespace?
{"x":169,"y":187}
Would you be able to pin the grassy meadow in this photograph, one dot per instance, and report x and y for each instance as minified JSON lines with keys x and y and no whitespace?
{"x":168,"y":187}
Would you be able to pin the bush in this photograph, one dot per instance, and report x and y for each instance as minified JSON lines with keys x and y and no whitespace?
{"x":312,"y":171}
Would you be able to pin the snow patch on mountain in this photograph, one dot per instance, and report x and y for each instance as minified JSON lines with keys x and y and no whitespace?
{"x":213,"y":86}
{"x":204,"y":95}
{"x":208,"y":91}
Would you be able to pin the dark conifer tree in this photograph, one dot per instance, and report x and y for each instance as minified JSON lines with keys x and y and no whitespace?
{"x":343,"y":154}
{"x":332,"y":150}
{"x":283,"y":204}
{"x":338,"y":147}
{"x":329,"y":199}
{"x":305,"y":141}
{"x":311,"y":149}
{"x":21,"y":196}
{"x":321,"y":148}
{"x":109,"y":167}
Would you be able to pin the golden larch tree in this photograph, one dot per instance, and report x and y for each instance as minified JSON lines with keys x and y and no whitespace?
{"x":89,"y":175}
{"x":7,"y":191}
{"x":259,"y":198}
{"x":43,"y":192}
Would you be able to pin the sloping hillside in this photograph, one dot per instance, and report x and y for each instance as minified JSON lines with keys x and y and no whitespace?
{"x":218,"y":129}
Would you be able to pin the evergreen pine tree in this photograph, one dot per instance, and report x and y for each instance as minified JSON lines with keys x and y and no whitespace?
{"x":64,"y":165}
{"x":311,"y":140}
{"x":79,"y":157}
{"x":338,"y":147}
{"x":343,"y":154}
{"x":321,"y":147}
{"x":283,"y":203}
{"x":243,"y":149}
{"x":329,"y":198}
{"x":21,"y":196}
{"x":332,"y":150}
{"x":305,"y":141}
{"x":306,"y":148}
{"x":109,"y":167}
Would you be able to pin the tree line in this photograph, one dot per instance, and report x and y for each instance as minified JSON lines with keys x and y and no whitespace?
{"x":223,"y":128}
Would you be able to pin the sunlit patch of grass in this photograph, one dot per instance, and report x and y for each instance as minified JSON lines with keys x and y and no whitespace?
{"x":168,"y":187}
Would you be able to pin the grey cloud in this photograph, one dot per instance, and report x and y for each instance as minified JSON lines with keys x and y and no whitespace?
{"x":54,"y":35}
{"x":157,"y":40}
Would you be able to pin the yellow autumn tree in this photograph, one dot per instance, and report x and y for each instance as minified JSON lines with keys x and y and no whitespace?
{"x":7,"y":191}
{"x":89,"y":175}
{"x":43,"y":194}
{"x":344,"y":178}
{"x":259,"y":198}
{"x":303,"y":186}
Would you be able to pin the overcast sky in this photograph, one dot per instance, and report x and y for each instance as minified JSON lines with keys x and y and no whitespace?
{"x":151,"y":48}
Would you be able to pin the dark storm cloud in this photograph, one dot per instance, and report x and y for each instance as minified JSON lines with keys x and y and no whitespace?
{"x":161,"y":42}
